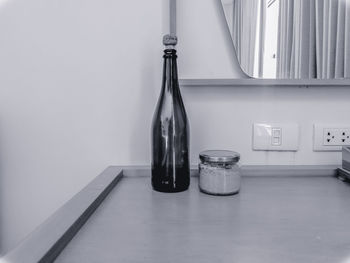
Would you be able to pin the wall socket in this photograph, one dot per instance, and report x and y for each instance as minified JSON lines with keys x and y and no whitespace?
{"x":334,"y":136}
{"x":331,"y":137}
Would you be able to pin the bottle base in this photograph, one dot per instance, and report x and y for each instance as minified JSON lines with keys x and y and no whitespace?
{"x":168,"y":180}
{"x":169,"y":190}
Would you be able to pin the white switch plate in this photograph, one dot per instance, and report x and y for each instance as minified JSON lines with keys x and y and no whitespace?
{"x":275,"y":136}
{"x":330,"y":137}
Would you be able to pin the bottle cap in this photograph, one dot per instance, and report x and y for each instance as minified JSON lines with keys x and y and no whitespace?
{"x":170,"y":40}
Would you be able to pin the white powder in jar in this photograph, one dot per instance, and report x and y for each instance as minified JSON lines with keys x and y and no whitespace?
{"x":219,"y":180}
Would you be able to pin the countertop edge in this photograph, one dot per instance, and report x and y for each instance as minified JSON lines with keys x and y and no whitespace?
{"x":252,"y":170}
{"x":46,"y":242}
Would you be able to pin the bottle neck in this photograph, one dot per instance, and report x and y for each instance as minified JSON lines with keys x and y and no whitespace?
{"x":170,"y":79}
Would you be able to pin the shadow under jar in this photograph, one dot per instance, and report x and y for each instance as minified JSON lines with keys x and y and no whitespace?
{"x":219,"y":172}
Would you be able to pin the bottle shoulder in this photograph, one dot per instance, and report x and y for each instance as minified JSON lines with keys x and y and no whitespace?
{"x":167,"y":108}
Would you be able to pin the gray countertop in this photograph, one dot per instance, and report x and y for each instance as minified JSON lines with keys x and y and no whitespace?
{"x":272,"y":219}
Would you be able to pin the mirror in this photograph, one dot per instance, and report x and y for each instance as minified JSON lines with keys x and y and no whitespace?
{"x":291,"y":39}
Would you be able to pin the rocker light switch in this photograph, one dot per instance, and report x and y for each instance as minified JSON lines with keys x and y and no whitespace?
{"x":276,"y":132}
{"x":276,"y":136}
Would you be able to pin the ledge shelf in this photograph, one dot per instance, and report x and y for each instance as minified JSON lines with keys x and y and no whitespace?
{"x":265,"y":82}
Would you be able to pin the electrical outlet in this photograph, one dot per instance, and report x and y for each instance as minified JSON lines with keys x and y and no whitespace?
{"x":336,"y":136}
{"x":345,"y":136}
{"x":330,"y":137}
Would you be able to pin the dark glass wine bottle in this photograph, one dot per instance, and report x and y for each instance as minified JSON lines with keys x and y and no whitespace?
{"x":170,"y":130}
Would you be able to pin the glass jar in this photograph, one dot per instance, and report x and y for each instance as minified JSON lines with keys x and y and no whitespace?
{"x":219,"y":172}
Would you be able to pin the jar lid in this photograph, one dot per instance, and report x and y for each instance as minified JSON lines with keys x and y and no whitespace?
{"x":219,"y":156}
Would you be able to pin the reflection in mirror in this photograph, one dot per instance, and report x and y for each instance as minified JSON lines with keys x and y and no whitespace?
{"x":291,"y":39}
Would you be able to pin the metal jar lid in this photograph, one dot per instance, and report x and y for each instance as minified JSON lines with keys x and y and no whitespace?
{"x":219,"y":156}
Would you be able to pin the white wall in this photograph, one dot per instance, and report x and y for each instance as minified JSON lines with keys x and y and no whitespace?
{"x":78,"y":83}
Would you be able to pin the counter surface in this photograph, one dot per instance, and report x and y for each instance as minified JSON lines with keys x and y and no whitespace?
{"x":272,"y":219}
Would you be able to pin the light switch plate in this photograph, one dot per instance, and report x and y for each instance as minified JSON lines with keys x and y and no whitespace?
{"x":275,"y":136}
